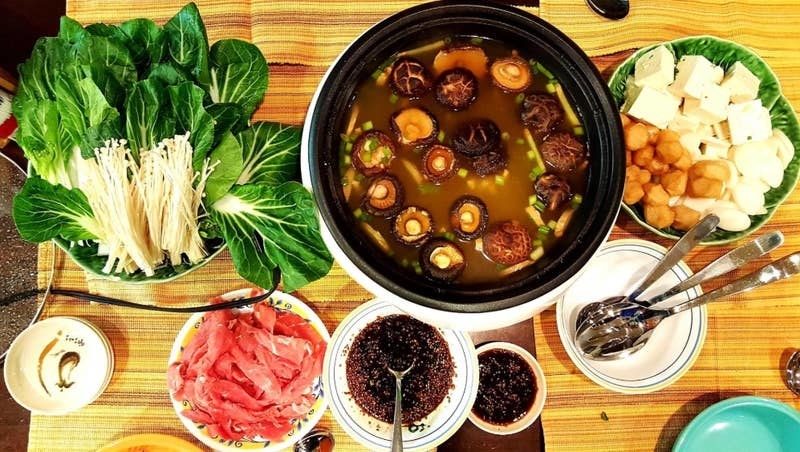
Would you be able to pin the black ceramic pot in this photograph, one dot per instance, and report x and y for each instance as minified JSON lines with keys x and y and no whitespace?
{"x":526,"y":292}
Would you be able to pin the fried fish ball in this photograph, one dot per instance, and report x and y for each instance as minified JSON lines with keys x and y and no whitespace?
{"x":633,"y":192}
{"x":657,"y":167}
{"x":655,"y":195}
{"x":674,"y":182}
{"x":685,"y":217}
{"x":636,"y":136}
{"x":711,"y":169}
{"x":704,"y":187}
{"x":642,"y":157}
{"x":635,"y":173}
{"x":684,"y":162}
{"x":658,"y":216}
{"x":669,"y":151}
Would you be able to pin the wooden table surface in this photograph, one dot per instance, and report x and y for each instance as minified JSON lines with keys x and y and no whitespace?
{"x":748,"y":338}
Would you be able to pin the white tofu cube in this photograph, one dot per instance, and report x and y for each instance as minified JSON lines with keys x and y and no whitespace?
{"x":683,"y":124}
{"x":655,"y":68}
{"x":656,"y":107}
{"x":717,"y":74}
{"x":694,"y":72}
{"x":741,"y":83}
{"x":710,"y":107}
{"x":691,"y":142}
{"x":749,"y":121}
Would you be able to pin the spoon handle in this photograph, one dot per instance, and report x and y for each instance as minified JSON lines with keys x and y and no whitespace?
{"x":690,"y":239}
{"x":397,"y":430}
{"x":724,"y":264}
{"x":782,"y":268}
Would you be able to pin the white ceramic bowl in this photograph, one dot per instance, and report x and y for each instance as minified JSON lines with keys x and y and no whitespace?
{"x":58,"y":365}
{"x":279,"y":301}
{"x":674,"y":346}
{"x":373,"y":434}
{"x":538,"y":402}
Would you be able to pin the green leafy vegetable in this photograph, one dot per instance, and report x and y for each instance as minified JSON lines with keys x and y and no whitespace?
{"x":143,"y":83}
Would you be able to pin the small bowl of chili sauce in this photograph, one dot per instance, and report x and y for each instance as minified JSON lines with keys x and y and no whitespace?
{"x":512,"y":389}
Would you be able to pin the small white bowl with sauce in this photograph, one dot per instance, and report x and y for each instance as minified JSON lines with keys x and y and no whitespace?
{"x":58,"y":365}
{"x":502,"y":369}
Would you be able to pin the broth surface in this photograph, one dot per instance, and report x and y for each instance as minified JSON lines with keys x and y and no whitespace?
{"x":506,"y":194}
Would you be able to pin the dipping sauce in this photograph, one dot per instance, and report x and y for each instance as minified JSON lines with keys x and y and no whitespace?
{"x":399,"y":340}
{"x":507,"y":387}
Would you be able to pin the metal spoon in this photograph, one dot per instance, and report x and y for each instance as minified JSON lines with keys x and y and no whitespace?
{"x":630,"y":326}
{"x":686,"y":243}
{"x":317,"y":440}
{"x":792,"y":375}
{"x":610,"y":9}
{"x":397,"y":427}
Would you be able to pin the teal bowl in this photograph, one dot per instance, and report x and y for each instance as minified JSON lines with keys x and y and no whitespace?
{"x":746,"y":423}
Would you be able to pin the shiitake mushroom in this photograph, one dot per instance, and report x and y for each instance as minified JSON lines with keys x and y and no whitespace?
{"x":373,"y":152}
{"x":463,"y":55}
{"x":456,"y":89}
{"x":442,"y":260}
{"x":553,"y":190}
{"x":511,"y":74}
{"x":507,"y":243}
{"x":469,"y":217}
{"x":563,"y":151}
{"x":476,"y":137}
{"x":413,"y":226}
{"x":414,"y":126}
{"x":410,"y":78}
{"x":384,"y":196}
{"x":439,"y":163}
{"x":492,"y":162}
{"x":541,"y":112}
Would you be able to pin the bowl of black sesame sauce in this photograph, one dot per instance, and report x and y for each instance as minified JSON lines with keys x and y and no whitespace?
{"x":511,"y":389}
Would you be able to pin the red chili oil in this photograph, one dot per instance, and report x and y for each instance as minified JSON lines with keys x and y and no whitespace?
{"x":507,"y":387}
{"x":399,"y":340}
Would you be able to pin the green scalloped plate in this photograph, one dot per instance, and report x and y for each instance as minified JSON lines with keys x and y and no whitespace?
{"x":725,"y":53}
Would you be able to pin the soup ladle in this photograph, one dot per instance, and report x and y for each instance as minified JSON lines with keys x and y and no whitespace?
{"x":686,"y":243}
{"x":610,"y":9}
{"x":628,"y":326}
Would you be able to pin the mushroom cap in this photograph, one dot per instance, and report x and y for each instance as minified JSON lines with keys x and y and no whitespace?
{"x":384,"y":196}
{"x":410,"y":78}
{"x":542,"y":112}
{"x":511,"y":74}
{"x":492,"y":162}
{"x":414,"y":126}
{"x":553,"y":190}
{"x":563,"y":151}
{"x":476,"y":137}
{"x":463,"y":55}
{"x":412,"y":226}
{"x":373,"y":152}
{"x":456,"y":89}
{"x":507,"y":243}
{"x":439,"y":163}
{"x":442,"y":260}
{"x":469,"y":217}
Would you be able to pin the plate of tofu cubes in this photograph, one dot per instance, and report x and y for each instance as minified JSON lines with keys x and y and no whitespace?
{"x":707,"y":130}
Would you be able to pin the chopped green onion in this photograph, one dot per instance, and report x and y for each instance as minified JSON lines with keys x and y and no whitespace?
{"x":371,"y":144}
{"x":532,"y":200}
{"x":520,"y":97}
{"x":404,"y":263}
{"x":377,"y":74}
{"x":428,"y":188}
{"x":348,"y":147}
{"x":537,"y":253}
{"x":345,"y":181}
{"x":359,"y":177}
{"x":358,"y":212}
{"x":476,"y":40}
{"x":367,"y":125}
{"x":449,"y":236}
{"x":520,"y":141}
{"x":551,"y":224}
{"x":537,"y":243}
{"x":544,"y":229}
{"x":342,"y":146}
{"x":441,"y":136}
{"x":463,"y":172}
{"x":394,"y":98}
{"x":576,"y":200}
{"x":539,"y":205}
{"x":536,"y":172}
{"x":578,"y":131}
{"x":550,"y":88}
{"x":534,"y":65}
{"x":505,"y":136}
{"x":531,"y":155}
{"x":499,"y":180}
{"x":417,"y":267}
{"x":347,"y":159}
{"x":544,"y":71}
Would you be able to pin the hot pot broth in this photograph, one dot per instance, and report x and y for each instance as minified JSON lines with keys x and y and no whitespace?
{"x":508,"y":193}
